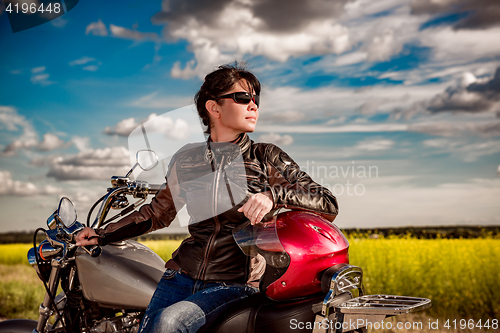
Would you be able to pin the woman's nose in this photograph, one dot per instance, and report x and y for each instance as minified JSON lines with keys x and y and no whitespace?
{"x":252,"y":106}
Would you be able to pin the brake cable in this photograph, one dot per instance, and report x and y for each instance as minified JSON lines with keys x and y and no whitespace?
{"x":93,"y":207}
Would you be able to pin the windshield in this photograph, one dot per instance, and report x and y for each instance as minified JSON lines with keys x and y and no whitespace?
{"x":178,"y":139}
{"x":262,"y":242}
{"x":206,"y":179}
{"x":259,"y":239}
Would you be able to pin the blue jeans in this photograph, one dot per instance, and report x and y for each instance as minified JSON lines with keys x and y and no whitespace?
{"x":182,"y":304}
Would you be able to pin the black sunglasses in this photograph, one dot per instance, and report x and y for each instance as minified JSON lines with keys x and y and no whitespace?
{"x":242,"y":97}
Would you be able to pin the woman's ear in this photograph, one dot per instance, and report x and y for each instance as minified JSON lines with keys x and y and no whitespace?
{"x":213,"y":108}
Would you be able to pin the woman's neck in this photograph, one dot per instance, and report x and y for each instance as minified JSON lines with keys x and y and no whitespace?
{"x":224,"y":137}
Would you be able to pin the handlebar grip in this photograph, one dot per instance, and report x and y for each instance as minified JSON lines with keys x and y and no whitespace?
{"x":94,"y":250}
{"x":154,"y":187}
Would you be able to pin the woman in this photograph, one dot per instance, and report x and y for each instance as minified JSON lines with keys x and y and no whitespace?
{"x":208,"y":272}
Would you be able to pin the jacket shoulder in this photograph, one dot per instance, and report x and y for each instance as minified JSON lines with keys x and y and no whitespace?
{"x":266,"y":150}
{"x":273,"y":154}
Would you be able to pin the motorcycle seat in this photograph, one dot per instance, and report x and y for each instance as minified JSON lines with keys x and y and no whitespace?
{"x":259,"y":314}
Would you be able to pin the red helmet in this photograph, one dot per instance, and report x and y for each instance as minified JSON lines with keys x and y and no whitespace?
{"x":298,"y":246}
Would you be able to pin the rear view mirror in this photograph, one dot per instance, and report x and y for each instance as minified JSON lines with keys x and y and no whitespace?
{"x":65,"y":215}
{"x":66,"y":212}
{"x":147,"y":159}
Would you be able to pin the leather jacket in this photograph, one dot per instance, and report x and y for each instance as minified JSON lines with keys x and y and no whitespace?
{"x":214,"y":180}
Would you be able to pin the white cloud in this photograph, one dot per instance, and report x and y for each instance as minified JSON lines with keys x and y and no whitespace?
{"x":81,"y":61}
{"x":38,"y":69}
{"x":383,"y":46}
{"x":407,"y":105}
{"x":125,"y":33}
{"x":240,"y":30}
{"x":429,"y":71}
{"x":481,"y":14}
{"x":123,"y":128}
{"x":40,"y":77}
{"x":351,"y":58}
{"x":379,"y":28}
{"x":92,"y":64}
{"x":277,"y":139}
{"x":50,"y":142}
{"x":472,"y":202}
{"x":375,"y":31}
{"x":457,"y":128}
{"x":327,"y":102}
{"x":12,"y":121}
{"x":91,"y":164}
{"x":177,"y":129}
{"x":464,"y":150}
{"x":336,"y":121}
{"x":91,"y":68}
{"x":291,"y":116}
{"x":443,"y":128}
{"x":97,"y":29}
{"x":371,"y":128}
{"x":375,"y":145}
{"x":459,"y":100}
{"x":154,"y":101}
{"x":81,"y":143}
{"x":11,"y":187}
{"x":460,"y":46}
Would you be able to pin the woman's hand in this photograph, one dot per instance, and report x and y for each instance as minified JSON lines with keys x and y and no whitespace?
{"x":87,"y":236}
{"x":257,"y":206}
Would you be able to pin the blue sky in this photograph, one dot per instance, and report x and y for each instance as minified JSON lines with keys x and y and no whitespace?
{"x":408,"y":90}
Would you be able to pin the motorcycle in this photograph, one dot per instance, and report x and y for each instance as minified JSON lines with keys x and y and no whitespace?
{"x":308,"y":284}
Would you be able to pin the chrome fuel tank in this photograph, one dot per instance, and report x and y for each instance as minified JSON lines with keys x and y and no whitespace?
{"x":124,"y":276}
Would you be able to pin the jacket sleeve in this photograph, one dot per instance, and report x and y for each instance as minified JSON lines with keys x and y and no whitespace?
{"x":292,"y":188}
{"x":155,"y":215}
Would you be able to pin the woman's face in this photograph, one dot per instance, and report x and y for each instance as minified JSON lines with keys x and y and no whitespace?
{"x":237,"y":118}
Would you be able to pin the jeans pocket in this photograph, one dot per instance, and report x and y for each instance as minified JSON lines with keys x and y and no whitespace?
{"x":169,"y":274}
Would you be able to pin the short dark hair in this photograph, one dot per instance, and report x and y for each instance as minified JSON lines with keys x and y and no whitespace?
{"x":220,"y":81}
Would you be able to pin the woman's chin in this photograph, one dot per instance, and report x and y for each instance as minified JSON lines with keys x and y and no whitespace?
{"x":250,"y":129}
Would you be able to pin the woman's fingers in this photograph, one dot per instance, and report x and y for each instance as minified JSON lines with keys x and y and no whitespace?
{"x":82,"y":238}
{"x":259,"y":217}
{"x":257,"y":206}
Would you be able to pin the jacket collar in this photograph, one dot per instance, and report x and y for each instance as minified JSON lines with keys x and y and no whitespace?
{"x":229,"y":149}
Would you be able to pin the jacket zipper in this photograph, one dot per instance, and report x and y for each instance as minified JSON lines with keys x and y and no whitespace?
{"x":206,"y":256}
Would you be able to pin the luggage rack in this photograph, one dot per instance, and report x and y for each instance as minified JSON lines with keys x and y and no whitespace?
{"x":383,"y":305}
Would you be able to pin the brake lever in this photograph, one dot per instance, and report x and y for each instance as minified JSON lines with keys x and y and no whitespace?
{"x":93,"y":250}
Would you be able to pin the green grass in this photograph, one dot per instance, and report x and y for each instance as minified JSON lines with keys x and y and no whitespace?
{"x":21,"y":292}
{"x":460,"y":276}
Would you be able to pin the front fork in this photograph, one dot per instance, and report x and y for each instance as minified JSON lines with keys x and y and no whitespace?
{"x":45,"y":309}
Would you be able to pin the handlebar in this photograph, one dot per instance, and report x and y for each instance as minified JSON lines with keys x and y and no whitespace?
{"x":121,"y":187}
{"x":154,"y":188}
{"x":140,"y":188}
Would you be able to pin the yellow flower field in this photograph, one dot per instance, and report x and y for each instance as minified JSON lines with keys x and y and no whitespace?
{"x":461,"y":276}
